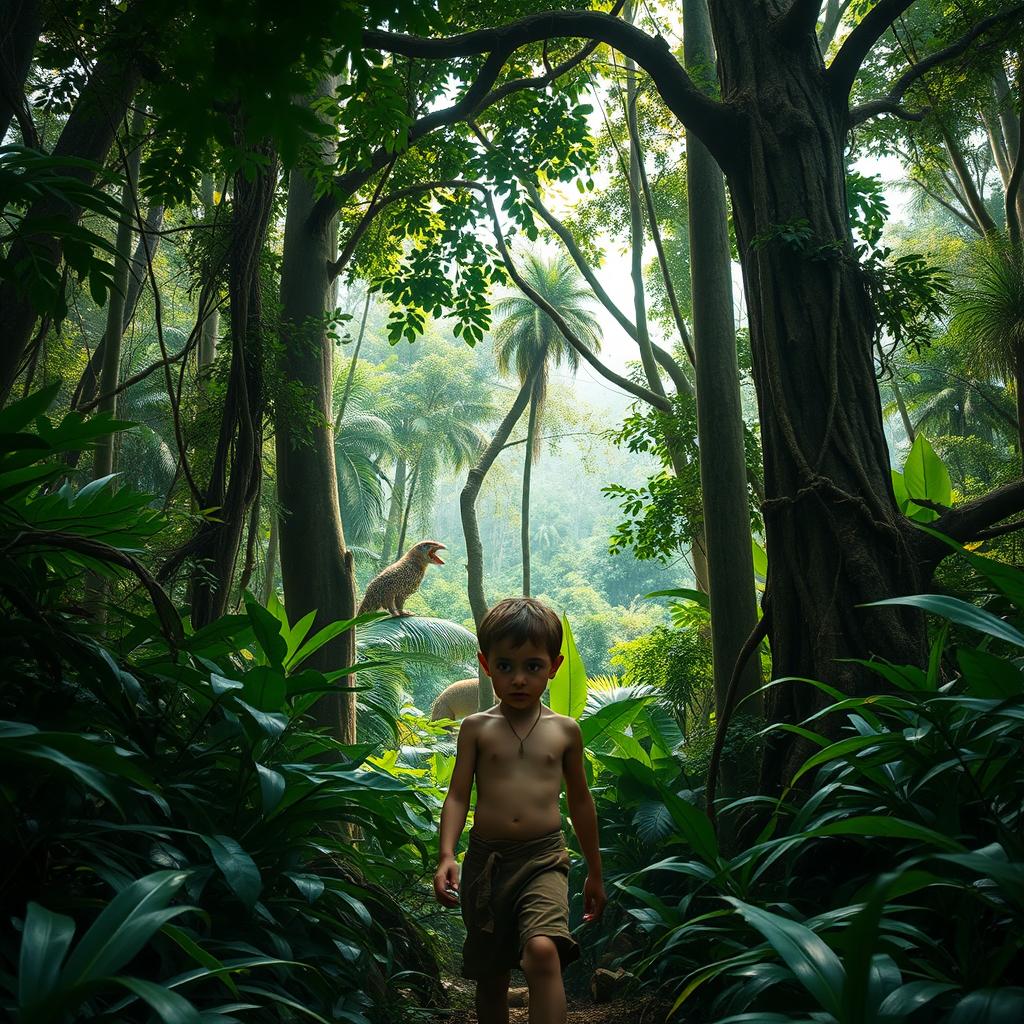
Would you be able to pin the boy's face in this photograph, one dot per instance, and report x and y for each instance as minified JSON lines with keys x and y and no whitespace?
{"x":519,"y":674}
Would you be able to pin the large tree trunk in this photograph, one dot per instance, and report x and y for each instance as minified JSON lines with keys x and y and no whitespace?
{"x":719,"y":414}
{"x":235,"y":479}
{"x":88,"y":134}
{"x":835,"y":537}
{"x":316,"y":569}
{"x":471,"y":526}
{"x":110,"y":371}
{"x":21,"y":21}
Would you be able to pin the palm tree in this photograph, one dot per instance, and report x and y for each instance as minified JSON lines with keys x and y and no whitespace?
{"x":527,"y":339}
{"x":945,"y":396}
{"x":435,"y":409}
{"x":988,"y":315}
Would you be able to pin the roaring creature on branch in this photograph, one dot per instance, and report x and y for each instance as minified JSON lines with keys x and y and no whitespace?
{"x":393,"y":586}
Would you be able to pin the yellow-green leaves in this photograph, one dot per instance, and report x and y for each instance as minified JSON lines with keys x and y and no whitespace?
{"x":925,"y":477}
{"x":568,"y":690}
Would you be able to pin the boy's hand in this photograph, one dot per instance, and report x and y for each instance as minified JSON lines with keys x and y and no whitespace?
{"x":594,"y":899}
{"x":447,"y":876}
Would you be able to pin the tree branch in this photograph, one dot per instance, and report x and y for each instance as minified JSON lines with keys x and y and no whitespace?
{"x":844,"y":67}
{"x":719,"y":125}
{"x":974,"y":520}
{"x":872,"y":108}
{"x":955,"y":49}
{"x":476,"y":100}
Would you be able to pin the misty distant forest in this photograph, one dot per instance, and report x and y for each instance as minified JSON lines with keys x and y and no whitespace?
{"x":702,"y":322}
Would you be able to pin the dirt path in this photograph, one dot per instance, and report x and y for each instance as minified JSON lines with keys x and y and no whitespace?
{"x":634,"y":1010}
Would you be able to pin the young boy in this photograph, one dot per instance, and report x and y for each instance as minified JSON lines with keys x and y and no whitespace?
{"x":515,"y":894}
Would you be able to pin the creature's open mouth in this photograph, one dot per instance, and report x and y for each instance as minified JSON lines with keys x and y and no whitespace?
{"x":435,"y":558}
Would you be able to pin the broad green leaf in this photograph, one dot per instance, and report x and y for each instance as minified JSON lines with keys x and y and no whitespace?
{"x":311,"y":886}
{"x":925,"y":475}
{"x":631,"y":748}
{"x":124,"y":926}
{"x":272,"y":786}
{"x":896,"y":828}
{"x":238,"y":868}
{"x":568,"y":690}
{"x":684,"y":594}
{"x":810,"y":959}
{"x":911,"y":997}
{"x":169,"y":1006}
{"x":613,"y":716}
{"x":760,"y":559}
{"x":985,"y":675}
{"x":990,"y":1006}
{"x":268,"y":632}
{"x":958,"y":611}
{"x":44,"y":943}
{"x":691,"y":822}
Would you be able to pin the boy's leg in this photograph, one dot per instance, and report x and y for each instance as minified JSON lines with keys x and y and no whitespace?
{"x":543,"y":970}
{"x":492,"y":998}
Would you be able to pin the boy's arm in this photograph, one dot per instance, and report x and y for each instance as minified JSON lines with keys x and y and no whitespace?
{"x":456,"y":803}
{"x":580,"y":803}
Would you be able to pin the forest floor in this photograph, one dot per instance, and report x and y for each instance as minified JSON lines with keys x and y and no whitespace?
{"x":630,"y":1010}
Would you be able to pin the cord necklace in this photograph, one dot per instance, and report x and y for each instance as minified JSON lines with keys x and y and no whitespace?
{"x":540,"y":708}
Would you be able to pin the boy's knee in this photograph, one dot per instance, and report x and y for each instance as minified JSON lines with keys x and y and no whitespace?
{"x":540,"y":954}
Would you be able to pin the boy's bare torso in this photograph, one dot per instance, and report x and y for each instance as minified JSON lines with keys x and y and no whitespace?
{"x":518,"y":797}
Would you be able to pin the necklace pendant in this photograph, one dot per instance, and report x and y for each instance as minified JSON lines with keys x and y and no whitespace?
{"x":521,"y":754}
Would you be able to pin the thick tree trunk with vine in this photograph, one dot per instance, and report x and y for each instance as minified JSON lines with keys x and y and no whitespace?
{"x":835,"y":536}
{"x":20,"y":26}
{"x":471,"y":526}
{"x":89,"y":134}
{"x":316,"y":569}
{"x":237,"y":468}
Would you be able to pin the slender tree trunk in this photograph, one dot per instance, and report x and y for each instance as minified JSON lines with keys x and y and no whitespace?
{"x":317,"y":570}
{"x":1018,"y":359}
{"x":975,"y":202}
{"x":395,"y":507}
{"x":1011,"y":133}
{"x":103,"y":464}
{"x":524,"y":532}
{"x":471,"y":526}
{"x":719,"y":413}
{"x":835,"y":537}
{"x":89,"y":134}
{"x":405,"y":514}
{"x":86,"y":389}
{"x":352,"y":366}
{"x":21,"y":21}
{"x":273,"y":545}
{"x":677,"y":455}
{"x":210,"y":330}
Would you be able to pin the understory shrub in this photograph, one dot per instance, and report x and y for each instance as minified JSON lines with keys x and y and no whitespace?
{"x":887,"y":883}
{"x":176,"y":843}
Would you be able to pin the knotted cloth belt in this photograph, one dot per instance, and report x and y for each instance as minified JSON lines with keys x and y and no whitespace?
{"x":521,"y":858}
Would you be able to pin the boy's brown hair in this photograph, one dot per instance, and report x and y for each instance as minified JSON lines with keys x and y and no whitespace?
{"x":519,"y":619}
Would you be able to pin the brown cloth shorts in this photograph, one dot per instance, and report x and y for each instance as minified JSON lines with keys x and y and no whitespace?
{"x":511,"y":890}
